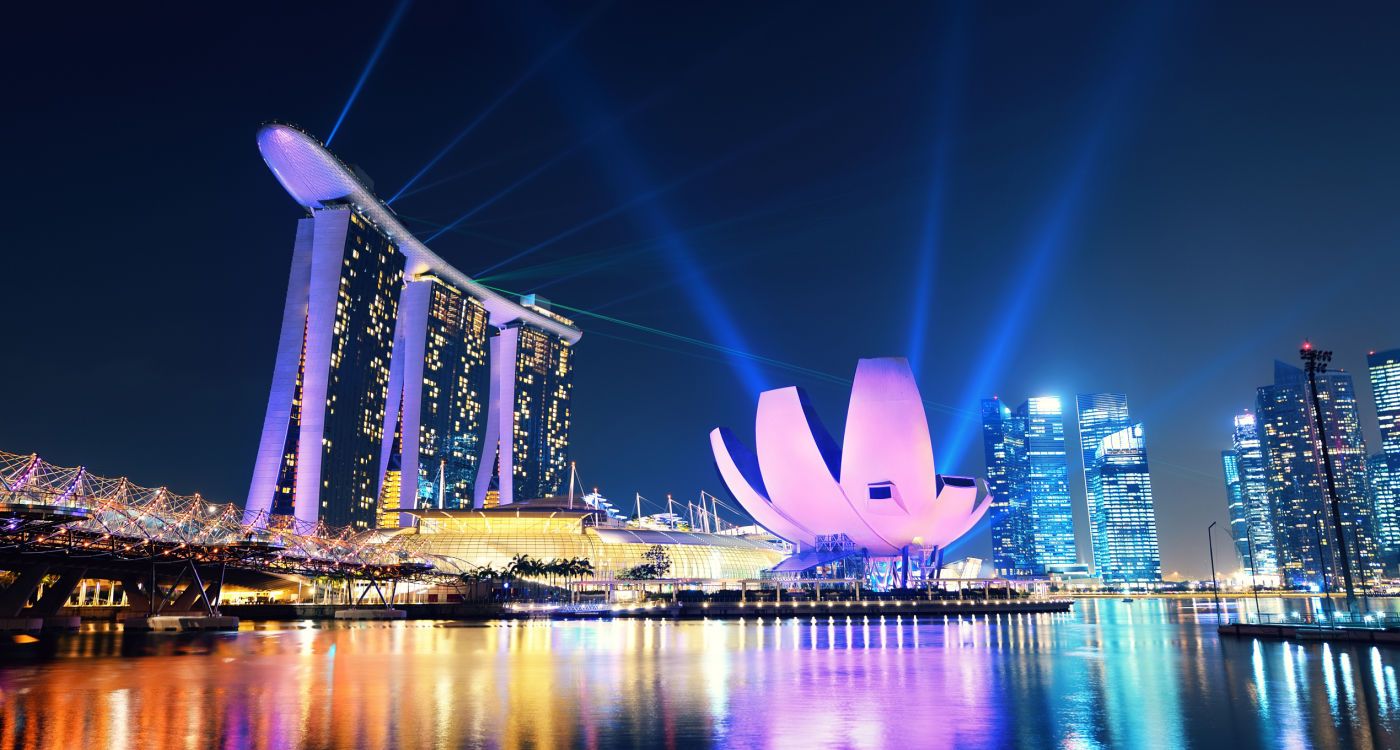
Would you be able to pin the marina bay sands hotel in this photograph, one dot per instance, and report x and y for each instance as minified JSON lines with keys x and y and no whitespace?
{"x":400,"y":382}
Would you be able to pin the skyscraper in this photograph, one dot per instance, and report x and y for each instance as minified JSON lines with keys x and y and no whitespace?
{"x":1118,"y":491}
{"x":1127,"y":530}
{"x":528,"y":426}
{"x":1100,"y":415}
{"x":1304,"y":528}
{"x":1234,"y":502}
{"x":1253,"y":480}
{"x":438,"y":395}
{"x":1384,"y":466}
{"x":319,"y":455}
{"x":1026,"y":455}
{"x":1384,"y":369}
{"x":1004,"y":442}
{"x":382,"y":388}
{"x":1049,"y":517}
{"x":1384,"y":469}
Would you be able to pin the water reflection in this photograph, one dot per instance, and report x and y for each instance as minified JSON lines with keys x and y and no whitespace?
{"x":1149,"y":674}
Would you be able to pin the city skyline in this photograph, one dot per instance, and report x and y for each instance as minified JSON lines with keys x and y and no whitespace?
{"x":632,"y":170}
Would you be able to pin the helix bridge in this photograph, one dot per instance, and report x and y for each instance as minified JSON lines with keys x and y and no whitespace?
{"x":70,"y":523}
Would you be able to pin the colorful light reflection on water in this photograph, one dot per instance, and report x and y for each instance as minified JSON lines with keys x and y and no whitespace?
{"x":1147,"y":674}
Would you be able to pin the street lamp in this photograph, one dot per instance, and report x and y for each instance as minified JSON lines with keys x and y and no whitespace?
{"x":1315,"y":360}
{"x":1253,"y":563}
{"x":1214,"y":585}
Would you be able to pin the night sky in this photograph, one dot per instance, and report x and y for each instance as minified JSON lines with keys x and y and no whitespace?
{"x":1051,"y":198}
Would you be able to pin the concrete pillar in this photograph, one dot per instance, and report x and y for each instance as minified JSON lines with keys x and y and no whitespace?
{"x":136,"y":599}
{"x":57,"y":594}
{"x":16,"y":595}
{"x":186,"y":600}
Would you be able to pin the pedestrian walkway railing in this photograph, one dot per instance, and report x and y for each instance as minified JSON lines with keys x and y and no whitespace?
{"x":1372,"y":620}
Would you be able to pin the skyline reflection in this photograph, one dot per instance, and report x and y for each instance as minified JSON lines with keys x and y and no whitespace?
{"x":1149,"y":674}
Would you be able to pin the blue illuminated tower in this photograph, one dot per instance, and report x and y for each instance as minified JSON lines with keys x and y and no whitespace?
{"x":1100,"y":415}
{"x":1252,"y":523}
{"x":1118,"y":491}
{"x":1297,"y":493}
{"x":1234,"y":501}
{"x":1384,"y":467}
{"x":1033,"y":531}
{"x":1127,"y":529}
{"x":1004,"y":442}
{"x":1045,"y":487}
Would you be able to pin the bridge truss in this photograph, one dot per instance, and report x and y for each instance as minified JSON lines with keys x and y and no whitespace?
{"x":55,"y":511}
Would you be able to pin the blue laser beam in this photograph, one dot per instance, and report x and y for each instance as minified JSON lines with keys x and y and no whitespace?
{"x":384,"y":38}
{"x":950,"y":89}
{"x":495,"y":104}
{"x":643,"y":197}
{"x":1052,"y":234}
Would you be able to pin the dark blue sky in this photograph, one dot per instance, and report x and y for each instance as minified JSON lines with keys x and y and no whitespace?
{"x":1060,"y":198}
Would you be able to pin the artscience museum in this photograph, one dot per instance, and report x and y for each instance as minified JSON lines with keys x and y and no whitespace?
{"x":871,"y":505}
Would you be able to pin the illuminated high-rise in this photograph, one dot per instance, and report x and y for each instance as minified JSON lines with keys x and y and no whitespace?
{"x":1003,"y":442}
{"x":1100,"y":415}
{"x":1252,"y":524}
{"x":527,"y":428}
{"x":383,"y":380}
{"x":1118,"y":491}
{"x":1126,"y":548}
{"x":439,"y":395}
{"x":1033,"y":533}
{"x":1384,"y":466}
{"x":320,"y":452}
{"x":1384,"y":368}
{"x":1303,"y":521}
{"x":1234,"y":502}
{"x":1384,"y":470}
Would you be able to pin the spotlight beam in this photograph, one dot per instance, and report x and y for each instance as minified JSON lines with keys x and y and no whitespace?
{"x":384,"y":38}
{"x":729,"y":351}
{"x":950,"y":89}
{"x":558,"y":157}
{"x":648,"y":195}
{"x":495,"y":104}
{"x":1055,"y":227}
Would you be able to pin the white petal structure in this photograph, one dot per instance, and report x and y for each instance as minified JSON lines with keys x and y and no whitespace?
{"x":879,"y":488}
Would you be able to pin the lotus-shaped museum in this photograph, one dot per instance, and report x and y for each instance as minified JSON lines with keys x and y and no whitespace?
{"x":878,"y":487}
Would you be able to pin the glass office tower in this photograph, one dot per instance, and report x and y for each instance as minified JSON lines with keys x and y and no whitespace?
{"x":1234,"y":502}
{"x":1003,"y":442}
{"x":1304,"y":529}
{"x":319,"y":457}
{"x":1045,"y":487}
{"x":1384,"y":467}
{"x":1384,"y":368}
{"x":1254,"y":489}
{"x":1100,"y":415}
{"x":1127,"y":530}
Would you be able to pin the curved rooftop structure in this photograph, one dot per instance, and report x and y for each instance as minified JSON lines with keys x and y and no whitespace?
{"x":877,"y":488}
{"x":317,"y":179}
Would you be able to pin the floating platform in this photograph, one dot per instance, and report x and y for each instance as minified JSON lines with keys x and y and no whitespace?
{"x":377,"y":613}
{"x":179,"y":623}
{"x":21,"y":624}
{"x":1311,"y":633}
{"x":839,"y":608}
{"x":63,"y":622}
